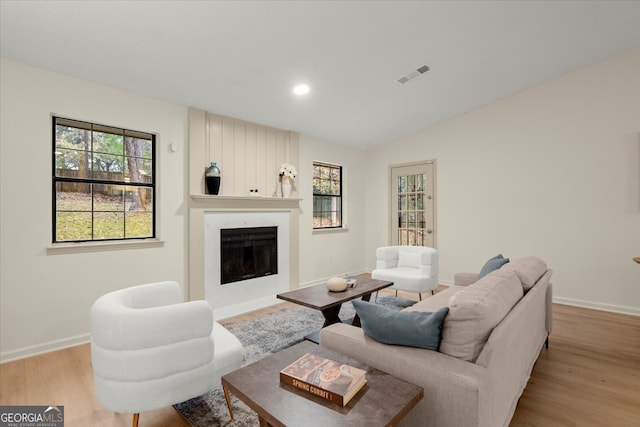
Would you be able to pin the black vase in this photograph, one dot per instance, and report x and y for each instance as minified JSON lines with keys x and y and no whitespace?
{"x":212,"y":179}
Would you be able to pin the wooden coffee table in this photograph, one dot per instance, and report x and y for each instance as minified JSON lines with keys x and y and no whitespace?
{"x":383,"y":401}
{"x":329,"y":303}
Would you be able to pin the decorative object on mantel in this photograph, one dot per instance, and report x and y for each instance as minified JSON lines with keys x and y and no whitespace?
{"x":212,"y":179}
{"x":287,"y":174}
{"x":253,"y":192}
{"x":286,"y":186}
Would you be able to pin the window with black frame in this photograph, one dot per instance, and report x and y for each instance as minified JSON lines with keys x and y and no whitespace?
{"x":327,"y":195}
{"x":103,"y":182}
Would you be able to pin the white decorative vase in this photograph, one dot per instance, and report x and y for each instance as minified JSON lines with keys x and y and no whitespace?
{"x":336,"y":284}
{"x":286,"y":186}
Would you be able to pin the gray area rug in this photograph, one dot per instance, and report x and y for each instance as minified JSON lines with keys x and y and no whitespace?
{"x":260,"y":337}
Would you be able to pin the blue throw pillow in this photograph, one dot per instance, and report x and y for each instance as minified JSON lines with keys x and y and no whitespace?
{"x":409,"y":328}
{"x":492,"y":264}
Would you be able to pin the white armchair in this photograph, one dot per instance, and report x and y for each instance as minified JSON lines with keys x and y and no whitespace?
{"x":410,"y":268}
{"x":151,"y":350}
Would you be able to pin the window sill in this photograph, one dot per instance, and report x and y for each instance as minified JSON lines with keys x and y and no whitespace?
{"x":83,"y":247}
{"x":329,"y":230}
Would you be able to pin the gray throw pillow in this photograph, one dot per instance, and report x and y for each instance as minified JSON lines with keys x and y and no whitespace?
{"x":408,"y":328}
{"x":492,"y":264}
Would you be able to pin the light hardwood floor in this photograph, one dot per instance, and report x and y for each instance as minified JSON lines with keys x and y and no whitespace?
{"x":589,"y":376}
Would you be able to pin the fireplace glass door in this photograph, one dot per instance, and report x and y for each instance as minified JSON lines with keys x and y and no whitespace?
{"x":247,"y":253}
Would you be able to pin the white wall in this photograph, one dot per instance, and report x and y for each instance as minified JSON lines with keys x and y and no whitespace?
{"x":552,"y":172}
{"x":45,"y":299}
{"x":324,"y":254}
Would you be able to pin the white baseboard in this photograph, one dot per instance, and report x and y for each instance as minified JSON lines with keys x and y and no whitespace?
{"x":635,"y":311}
{"x":47,"y":347}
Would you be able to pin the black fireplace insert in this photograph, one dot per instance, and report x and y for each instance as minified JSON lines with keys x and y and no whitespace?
{"x":247,"y":253}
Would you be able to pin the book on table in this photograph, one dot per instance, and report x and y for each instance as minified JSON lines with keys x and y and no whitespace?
{"x":326,"y":378}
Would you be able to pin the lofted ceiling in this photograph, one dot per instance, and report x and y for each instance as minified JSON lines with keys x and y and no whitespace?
{"x":242,"y":58}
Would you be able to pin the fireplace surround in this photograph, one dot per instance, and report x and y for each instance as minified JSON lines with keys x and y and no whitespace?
{"x":239,"y":296}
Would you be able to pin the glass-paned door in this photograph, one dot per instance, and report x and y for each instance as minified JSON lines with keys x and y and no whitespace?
{"x":413,"y":205}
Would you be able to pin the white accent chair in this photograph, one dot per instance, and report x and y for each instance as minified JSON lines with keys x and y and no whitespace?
{"x":150,"y":350}
{"x":410,"y":268}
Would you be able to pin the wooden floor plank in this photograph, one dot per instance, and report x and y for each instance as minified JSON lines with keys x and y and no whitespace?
{"x":589,"y":376}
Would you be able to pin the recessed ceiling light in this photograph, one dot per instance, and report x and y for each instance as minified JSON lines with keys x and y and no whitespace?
{"x":301,"y":89}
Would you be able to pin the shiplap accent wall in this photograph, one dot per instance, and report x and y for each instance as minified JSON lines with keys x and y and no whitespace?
{"x":248,"y":155}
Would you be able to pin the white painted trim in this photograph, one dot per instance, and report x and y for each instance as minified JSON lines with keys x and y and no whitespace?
{"x":634,"y":311}
{"x":329,"y":230}
{"x":48,"y":347}
{"x":97,"y":246}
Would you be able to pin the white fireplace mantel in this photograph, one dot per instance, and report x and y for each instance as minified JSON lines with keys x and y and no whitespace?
{"x":206,"y":201}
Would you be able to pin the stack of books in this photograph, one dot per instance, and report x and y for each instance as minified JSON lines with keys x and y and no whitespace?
{"x":331,"y":380}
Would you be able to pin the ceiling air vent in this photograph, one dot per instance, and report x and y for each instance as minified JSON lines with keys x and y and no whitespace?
{"x":412,"y":75}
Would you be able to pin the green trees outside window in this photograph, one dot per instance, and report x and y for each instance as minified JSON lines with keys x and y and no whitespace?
{"x":103,"y":182}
